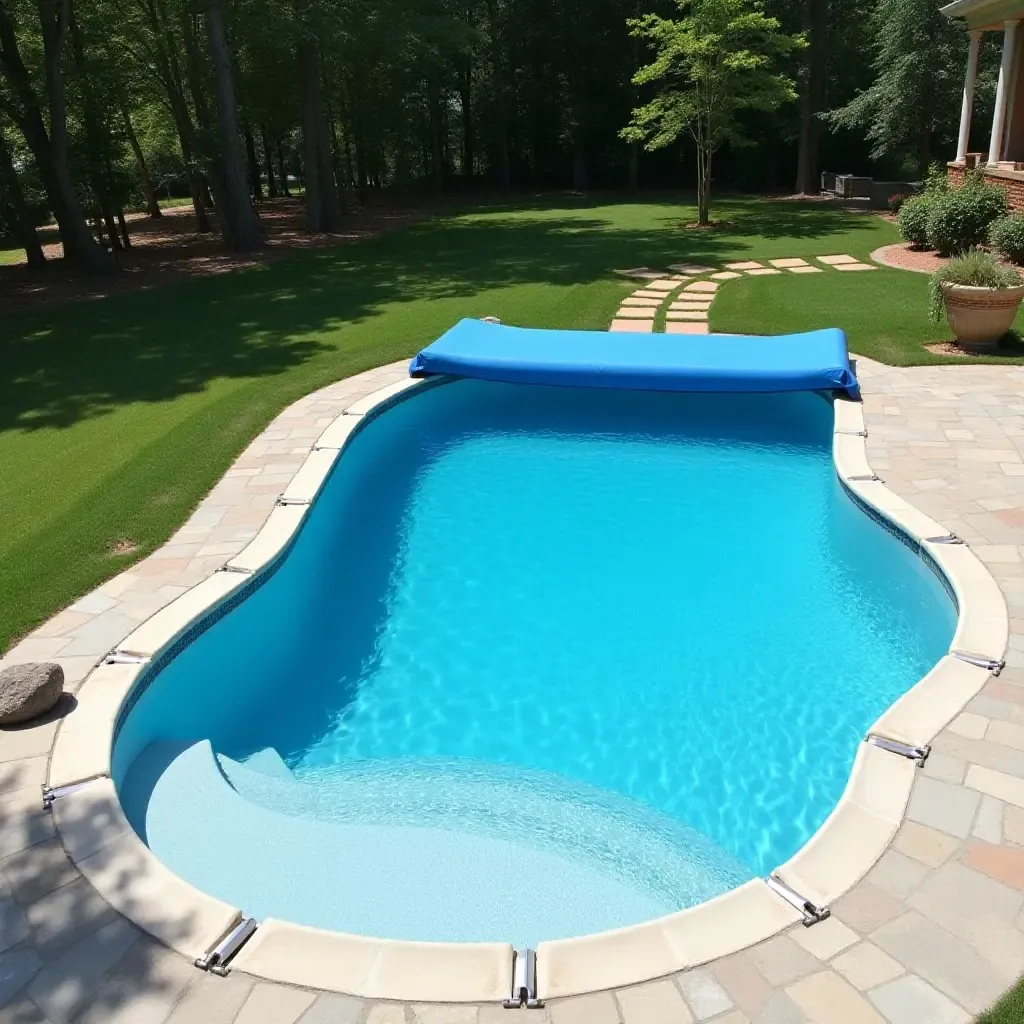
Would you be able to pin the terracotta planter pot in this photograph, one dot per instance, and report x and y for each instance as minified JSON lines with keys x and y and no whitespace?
{"x":979,"y":317}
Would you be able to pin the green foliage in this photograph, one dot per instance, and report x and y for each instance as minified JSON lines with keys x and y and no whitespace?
{"x":719,"y":59}
{"x":976,"y":268}
{"x":913,"y":219}
{"x":936,"y":180}
{"x":914,"y":102}
{"x":959,"y":219}
{"x":1007,"y":237}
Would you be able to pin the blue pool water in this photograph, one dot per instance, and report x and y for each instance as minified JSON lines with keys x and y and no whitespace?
{"x":542,"y":661}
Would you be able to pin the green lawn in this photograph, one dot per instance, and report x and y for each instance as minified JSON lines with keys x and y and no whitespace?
{"x":116,"y":416}
{"x":884,"y":313}
{"x":8,"y":256}
{"x":1009,"y":1009}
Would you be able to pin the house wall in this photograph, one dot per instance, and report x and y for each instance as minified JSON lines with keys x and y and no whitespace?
{"x":1011,"y":182}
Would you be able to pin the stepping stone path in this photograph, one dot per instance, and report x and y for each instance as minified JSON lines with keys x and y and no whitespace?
{"x":687,"y":313}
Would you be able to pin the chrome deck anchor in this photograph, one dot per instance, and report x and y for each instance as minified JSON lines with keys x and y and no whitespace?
{"x":980,"y":661}
{"x":918,"y":754}
{"x":217,"y":959}
{"x":812,"y":914}
{"x":524,"y":981}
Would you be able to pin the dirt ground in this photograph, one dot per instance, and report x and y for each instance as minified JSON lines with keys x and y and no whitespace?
{"x":168,"y":248}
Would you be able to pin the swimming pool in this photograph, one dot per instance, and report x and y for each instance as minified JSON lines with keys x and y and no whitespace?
{"x":542,"y":662}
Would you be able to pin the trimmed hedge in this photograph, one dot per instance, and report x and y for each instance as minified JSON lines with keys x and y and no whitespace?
{"x":1007,"y":237}
{"x":959,"y":220}
{"x":913,"y":219}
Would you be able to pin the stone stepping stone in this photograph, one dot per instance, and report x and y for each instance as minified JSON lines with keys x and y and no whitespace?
{"x":836,"y":261}
{"x":647,"y":293}
{"x":745,"y":265}
{"x":664,"y":284}
{"x":686,"y":314}
{"x":789,"y":263}
{"x":634,"y":300}
{"x":634,"y":313}
{"x":645,"y":273}
{"x":634,"y":326}
{"x":691,"y":304}
{"x":701,"y":286}
{"x":854,"y":266}
{"x":763,"y":272}
{"x":725,"y":275}
{"x":682,"y":327}
{"x":806,"y":270}
{"x":689,"y":268}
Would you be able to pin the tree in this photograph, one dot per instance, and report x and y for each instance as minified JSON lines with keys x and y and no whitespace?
{"x":49,"y":142}
{"x":238,"y":222}
{"x":14,"y":209}
{"x":720,"y":58}
{"x":812,"y":94}
{"x":914,"y":101}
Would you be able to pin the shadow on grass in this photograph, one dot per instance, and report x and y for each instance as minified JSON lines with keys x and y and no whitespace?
{"x":76,"y":362}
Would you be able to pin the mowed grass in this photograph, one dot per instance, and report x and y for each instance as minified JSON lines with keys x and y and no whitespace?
{"x":117,"y":416}
{"x":9,"y":256}
{"x":883,"y":312}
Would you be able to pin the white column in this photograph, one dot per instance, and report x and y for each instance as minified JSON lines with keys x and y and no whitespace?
{"x":995,"y":146}
{"x":969,"y":83}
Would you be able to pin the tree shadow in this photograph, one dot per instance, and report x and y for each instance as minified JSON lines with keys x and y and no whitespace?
{"x":73,"y":363}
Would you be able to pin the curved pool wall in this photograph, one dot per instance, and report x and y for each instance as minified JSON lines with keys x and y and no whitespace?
{"x":433,"y":725}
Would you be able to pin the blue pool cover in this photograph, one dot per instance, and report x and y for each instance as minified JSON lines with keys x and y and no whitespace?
{"x":815,"y":361}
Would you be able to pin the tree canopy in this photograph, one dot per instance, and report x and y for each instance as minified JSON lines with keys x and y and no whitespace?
{"x":112,"y":105}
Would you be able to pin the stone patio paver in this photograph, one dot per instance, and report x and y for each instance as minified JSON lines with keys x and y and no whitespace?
{"x":837,"y":260}
{"x":937,"y":926}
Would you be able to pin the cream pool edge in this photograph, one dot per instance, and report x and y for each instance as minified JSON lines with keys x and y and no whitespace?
{"x":101,"y":843}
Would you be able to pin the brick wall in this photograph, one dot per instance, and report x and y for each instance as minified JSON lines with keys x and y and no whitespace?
{"x":1013,"y":188}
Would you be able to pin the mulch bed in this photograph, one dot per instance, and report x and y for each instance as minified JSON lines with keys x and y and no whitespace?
{"x":903,"y":257}
{"x":169,"y":249}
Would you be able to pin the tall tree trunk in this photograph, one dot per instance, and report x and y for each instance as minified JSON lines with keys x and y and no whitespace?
{"x":14,"y":200}
{"x":282,"y":169}
{"x":268,"y":163}
{"x":501,"y":95}
{"x":436,"y":117}
{"x":239,"y":225}
{"x":812,"y":96}
{"x":97,"y":138}
{"x":122,"y":224}
{"x":152,"y":204}
{"x":323,"y":209}
{"x":466,"y":101}
{"x":253,"y":166}
{"x":50,"y":146}
{"x":579,"y":165}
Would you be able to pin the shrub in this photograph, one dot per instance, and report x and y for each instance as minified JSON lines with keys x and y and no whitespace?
{"x":896,"y":202}
{"x":958,"y":220}
{"x":913,"y":219}
{"x":975,"y":267}
{"x":1007,"y":237}
{"x":936,"y":182}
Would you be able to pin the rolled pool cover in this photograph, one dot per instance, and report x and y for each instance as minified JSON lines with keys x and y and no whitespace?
{"x":815,"y":361}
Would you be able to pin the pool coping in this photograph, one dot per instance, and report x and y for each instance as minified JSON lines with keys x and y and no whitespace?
{"x":860,"y":828}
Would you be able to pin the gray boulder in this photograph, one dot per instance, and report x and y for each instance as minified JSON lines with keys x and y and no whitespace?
{"x":27,"y":691}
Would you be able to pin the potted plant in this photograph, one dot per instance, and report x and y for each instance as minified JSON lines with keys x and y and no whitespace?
{"x":980,"y":296}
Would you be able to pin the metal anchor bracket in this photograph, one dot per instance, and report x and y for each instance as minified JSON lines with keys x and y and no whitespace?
{"x":291,"y":501}
{"x":524,"y":981}
{"x":49,"y":795}
{"x":116,"y":657}
{"x":853,"y":433}
{"x":993,"y":666}
{"x":235,"y":568}
{"x":217,"y":959}
{"x":864,"y":477}
{"x":948,"y":538}
{"x":918,"y":754}
{"x":811,"y":913}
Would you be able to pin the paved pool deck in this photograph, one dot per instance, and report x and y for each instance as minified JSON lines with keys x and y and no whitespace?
{"x":932,"y":935}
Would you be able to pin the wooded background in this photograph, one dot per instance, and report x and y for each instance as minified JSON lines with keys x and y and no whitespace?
{"x":108,"y":105}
